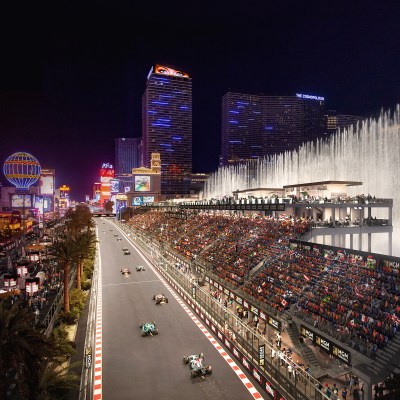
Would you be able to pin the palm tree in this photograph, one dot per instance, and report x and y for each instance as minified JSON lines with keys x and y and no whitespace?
{"x":56,"y":381}
{"x":84,"y":244}
{"x":79,"y":219}
{"x":65,"y":251}
{"x":23,"y":349}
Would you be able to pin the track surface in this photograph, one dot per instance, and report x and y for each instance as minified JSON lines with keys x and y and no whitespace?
{"x":136,"y":367}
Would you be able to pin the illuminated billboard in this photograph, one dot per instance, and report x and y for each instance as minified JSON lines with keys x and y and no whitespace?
{"x":142,"y":183}
{"x":163,"y":70}
{"x":46,"y":184}
{"x":21,"y":200}
{"x":137,"y":201}
{"x":148,"y":199}
{"x":39,"y":204}
{"x":47,"y":204}
{"x":140,"y":200}
{"x":106,"y":172}
{"x":114,"y":186}
{"x":64,"y":191}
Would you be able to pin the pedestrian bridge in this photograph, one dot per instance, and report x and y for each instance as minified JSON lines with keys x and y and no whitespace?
{"x":103,"y":214}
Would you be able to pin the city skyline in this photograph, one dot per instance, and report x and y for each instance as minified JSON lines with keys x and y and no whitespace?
{"x":71,"y":84}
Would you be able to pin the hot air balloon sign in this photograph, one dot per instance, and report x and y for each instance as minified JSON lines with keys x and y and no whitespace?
{"x":22,"y":170}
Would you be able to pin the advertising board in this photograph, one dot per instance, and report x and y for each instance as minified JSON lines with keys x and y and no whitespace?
{"x":21,"y":200}
{"x":46,"y":184}
{"x":142,"y":183}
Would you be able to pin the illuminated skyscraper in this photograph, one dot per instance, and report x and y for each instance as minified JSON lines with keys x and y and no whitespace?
{"x":255,"y":126}
{"x":126,"y":155}
{"x":167,"y":126}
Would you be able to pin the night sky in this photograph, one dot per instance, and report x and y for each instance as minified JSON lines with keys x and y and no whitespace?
{"x":72,"y":76}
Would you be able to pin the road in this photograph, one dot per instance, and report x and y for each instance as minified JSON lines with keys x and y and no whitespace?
{"x":136,"y":367}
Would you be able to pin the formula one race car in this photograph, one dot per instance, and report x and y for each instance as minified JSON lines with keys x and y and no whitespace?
{"x":148,"y":328}
{"x":125,"y":271}
{"x":140,"y":268}
{"x":196,"y":365}
{"x":160,"y":299}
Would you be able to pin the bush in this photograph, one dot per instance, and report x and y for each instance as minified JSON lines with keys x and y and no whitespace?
{"x":67,"y":318}
{"x":86,"y":285}
{"x":77,"y":300}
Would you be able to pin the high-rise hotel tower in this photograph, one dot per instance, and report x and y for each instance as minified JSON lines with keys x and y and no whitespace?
{"x":254,"y":126}
{"x":167,"y":126}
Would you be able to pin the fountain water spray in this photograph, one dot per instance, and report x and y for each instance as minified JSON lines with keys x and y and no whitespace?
{"x":369,"y":153}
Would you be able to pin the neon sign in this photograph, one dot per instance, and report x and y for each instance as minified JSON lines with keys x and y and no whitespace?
{"x":310,"y":97}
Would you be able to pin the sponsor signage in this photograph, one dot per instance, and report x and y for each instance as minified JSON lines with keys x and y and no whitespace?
{"x":245,"y":304}
{"x":340,"y":353}
{"x":257,"y":376}
{"x":261,"y":354}
{"x":269,"y":389}
{"x":254,"y":310}
{"x":239,"y":300}
{"x":88,"y":357}
{"x":273,"y":322}
{"x":328,"y":346}
{"x":246,"y":363}
{"x":236,"y":352}
{"x":307,"y":333}
{"x":226,"y":291}
{"x":323,"y":343}
{"x":309,"y":97}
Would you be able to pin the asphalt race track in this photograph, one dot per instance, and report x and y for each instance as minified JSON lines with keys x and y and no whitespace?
{"x":136,"y":367}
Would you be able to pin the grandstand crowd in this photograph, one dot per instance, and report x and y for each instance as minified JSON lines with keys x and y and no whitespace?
{"x":353,"y":298}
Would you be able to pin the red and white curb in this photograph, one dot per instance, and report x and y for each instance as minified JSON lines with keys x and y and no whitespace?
{"x":246,"y":382}
{"x":97,"y":387}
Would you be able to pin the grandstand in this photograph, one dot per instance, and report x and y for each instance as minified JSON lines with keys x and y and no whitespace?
{"x":348,"y":297}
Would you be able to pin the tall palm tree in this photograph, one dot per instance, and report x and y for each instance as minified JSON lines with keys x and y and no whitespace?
{"x":23,"y":349}
{"x":79,"y":219}
{"x":84,"y":243}
{"x":65,"y":251}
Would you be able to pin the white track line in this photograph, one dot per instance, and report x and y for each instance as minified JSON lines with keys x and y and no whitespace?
{"x":130,"y":283}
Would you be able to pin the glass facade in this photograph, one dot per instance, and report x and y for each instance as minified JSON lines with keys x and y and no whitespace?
{"x":126,"y":155}
{"x":167,"y":129}
{"x":255,"y":126}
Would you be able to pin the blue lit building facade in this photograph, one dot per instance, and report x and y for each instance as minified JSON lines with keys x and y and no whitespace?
{"x":255,"y":126}
{"x":167,"y":127}
{"x":126,"y":155}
